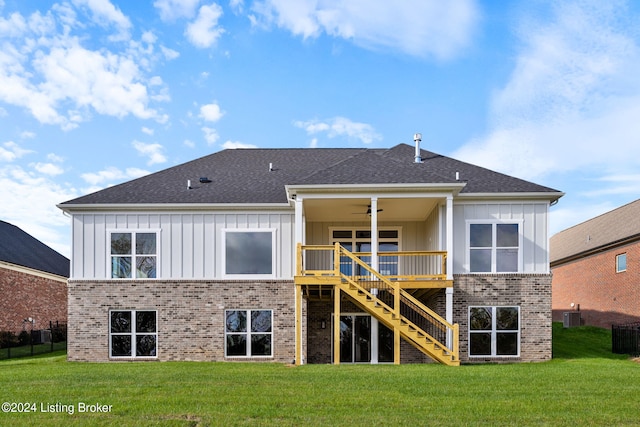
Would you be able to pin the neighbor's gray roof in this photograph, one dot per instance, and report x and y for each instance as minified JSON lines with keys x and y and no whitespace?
{"x":243,"y":176}
{"x":19,"y":248}
{"x":616,"y":227}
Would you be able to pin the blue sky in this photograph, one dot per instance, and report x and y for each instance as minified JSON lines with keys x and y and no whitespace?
{"x":97,"y":92}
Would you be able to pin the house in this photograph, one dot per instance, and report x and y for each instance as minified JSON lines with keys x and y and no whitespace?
{"x":340,"y":255}
{"x":33,"y":282}
{"x":596,"y":269}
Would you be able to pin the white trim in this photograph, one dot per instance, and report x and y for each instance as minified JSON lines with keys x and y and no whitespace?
{"x":274,"y":256}
{"x":248,"y":334}
{"x":133,"y":232}
{"x":467,"y":249}
{"x":132,"y":334}
{"x":494,"y":331}
{"x":33,"y":272}
{"x":174,"y":207}
{"x":625,"y":262}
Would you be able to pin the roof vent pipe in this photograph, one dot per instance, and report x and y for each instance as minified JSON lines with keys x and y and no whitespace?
{"x":417,"y":138}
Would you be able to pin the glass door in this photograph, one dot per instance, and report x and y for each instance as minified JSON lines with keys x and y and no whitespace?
{"x":363,"y":340}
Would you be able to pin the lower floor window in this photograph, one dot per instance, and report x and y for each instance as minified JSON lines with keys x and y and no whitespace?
{"x":133,"y":333}
{"x":248,"y":333}
{"x":494,"y":331}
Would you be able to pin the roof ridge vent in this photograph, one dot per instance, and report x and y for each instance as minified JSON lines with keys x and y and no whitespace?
{"x":417,"y":138}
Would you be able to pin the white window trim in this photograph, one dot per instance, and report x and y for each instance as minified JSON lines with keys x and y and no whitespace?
{"x":133,"y":255}
{"x":248,"y":334}
{"x":274,"y":255}
{"x":493,"y":331}
{"x":625,"y":262}
{"x":467,"y":261}
{"x":133,"y":334}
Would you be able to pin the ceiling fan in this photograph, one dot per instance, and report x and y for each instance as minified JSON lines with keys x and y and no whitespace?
{"x":368,"y":212}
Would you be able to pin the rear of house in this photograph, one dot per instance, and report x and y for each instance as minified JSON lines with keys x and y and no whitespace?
{"x":393,"y":255}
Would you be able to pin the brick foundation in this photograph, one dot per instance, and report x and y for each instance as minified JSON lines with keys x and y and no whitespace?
{"x":190,"y":316}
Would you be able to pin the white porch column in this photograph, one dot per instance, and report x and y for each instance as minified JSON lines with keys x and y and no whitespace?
{"x":449,"y":291}
{"x":299,"y":239}
{"x":374,"y":233}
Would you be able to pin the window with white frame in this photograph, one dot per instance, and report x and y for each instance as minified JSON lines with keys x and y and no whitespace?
{"x":248,"y":333}
{"x":133,"y":333}
{"x":133,"y":254}
{"x":249,"y":252}
{"x":621,"y":263}
{"x":494,"y":331}
{"x":494,"y":247}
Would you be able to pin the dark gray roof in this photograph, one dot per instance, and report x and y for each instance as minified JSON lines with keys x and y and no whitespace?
{"x":20,"y":248}
{"x":614,"y":228}
{"x":243,"y":175}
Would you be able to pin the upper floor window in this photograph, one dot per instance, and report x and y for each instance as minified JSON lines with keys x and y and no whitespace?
{"x":494,"y":247}
{"x":621,"y":263}
{"x":133,"y":255}
{"x":249,"y":252}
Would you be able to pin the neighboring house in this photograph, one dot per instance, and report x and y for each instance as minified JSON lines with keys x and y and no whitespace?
{"x":342,"y":255}
{"x":33,"y":282}
{"x":596,"y":269}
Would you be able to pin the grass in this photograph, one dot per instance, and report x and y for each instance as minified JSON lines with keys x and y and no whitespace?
{"x":584,"y":385}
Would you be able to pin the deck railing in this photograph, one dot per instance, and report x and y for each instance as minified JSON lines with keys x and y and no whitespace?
{"x":318,"y":260}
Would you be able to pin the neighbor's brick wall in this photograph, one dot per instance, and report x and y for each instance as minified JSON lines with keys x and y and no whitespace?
{"x":605,"y":297}
{"x":532,"y":292}
{"x":24,"y":295}
{"x":190,"y":316}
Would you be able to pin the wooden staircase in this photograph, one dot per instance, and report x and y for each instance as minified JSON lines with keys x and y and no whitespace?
{"x":399,"y":311}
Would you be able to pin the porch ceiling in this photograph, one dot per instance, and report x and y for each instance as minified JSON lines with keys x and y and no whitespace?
{"x":355,"y":210}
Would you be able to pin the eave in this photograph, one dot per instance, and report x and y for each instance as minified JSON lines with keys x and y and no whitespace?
{"x":146,"y":207}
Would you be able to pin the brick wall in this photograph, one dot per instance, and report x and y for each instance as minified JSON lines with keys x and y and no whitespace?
{"x":531,"y":292}
{"x":604,"y":296}
{"x":190,"y":316}
{"x":25,"y":295}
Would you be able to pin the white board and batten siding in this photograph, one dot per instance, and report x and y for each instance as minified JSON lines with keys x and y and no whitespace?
{"x":533,"y":217}
{"x":190,"y":244}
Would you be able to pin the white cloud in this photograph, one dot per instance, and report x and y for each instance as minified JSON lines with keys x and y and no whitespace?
{"x":210,"y":135}
{"x":341,"y":126}
{"x":147,"y":130}
{"x":416,"y":27}
{"x":204,"y":31}
{"x":48,"y":168}
{"x":572,"y":101}
{"x":105,"y":12}
{"x":189,"y":143}
{"x":12,"y":151}
{"x":152,"y":151}
{"x":211,"y":112}
{"x":171,"y":10}
{"x":169,"y":54}
{"x":29,"y":202}
{"x":59,"y":81}
{"x":109,"y":176}
{"x":231,"y":145}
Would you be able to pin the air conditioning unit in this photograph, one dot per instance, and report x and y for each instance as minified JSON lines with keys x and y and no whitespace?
{"x":571,"y":319}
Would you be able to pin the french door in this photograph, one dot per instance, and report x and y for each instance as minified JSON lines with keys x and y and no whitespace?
{"x":364,"y":340}
{"x":356,"y":240}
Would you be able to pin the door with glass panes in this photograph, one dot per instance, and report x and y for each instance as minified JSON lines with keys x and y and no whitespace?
{"x":359,"y":240}
{"x":364,"y":340}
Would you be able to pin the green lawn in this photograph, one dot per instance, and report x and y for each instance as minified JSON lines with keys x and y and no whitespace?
{"x":584,"y":385}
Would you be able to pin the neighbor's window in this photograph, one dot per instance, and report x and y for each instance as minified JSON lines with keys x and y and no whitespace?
{"x":133,"y":333}
{"x":133,"y":255}
{"x":248,"y":333}
{"x":494,"y":247}
{"x":494,"y":331}
{"x":249,"y":252}
{"x":621,"y":263}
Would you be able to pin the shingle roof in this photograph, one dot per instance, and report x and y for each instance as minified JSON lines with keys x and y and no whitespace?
{"x":611,"y":228}
{"x":20,"y":248}
{"x":243,"y":175}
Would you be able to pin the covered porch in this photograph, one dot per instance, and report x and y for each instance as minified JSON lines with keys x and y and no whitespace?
{"x":386,"y":253}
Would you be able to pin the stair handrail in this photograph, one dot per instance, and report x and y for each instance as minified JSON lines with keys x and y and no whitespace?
{"x":398,"y":293}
